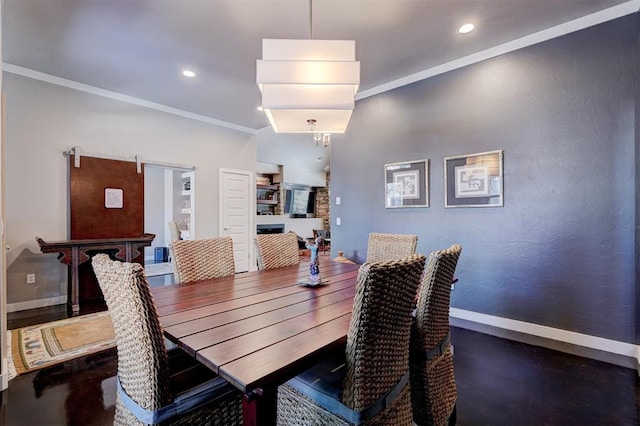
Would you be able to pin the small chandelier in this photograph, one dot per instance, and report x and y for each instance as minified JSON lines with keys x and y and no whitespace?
{"x":319,"y":138}
{"x":303,"y":80}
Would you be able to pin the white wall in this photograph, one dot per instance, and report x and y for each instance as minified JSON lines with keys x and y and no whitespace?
{"x":154,"y":208}
{"x":4,"y":378}
{"x":303,"y":162}
{"x":43,"y":120}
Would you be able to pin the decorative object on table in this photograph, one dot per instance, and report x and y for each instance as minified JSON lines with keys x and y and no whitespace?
{"x":314,"y":268}
{"x":473,"y":180}
{"x":325,"y":235}
{"x":406,"y":184}
{"x":433,"y":385}
{"x":45,"y":345}
{"x":342,"y":259}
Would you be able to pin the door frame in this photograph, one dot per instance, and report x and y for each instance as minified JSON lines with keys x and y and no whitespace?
{"x":252,"y":208}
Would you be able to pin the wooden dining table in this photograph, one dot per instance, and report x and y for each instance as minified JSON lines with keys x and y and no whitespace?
{"x":258,"y":329}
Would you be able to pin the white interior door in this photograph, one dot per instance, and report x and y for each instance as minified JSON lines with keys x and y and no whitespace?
{"x":236,"y":214}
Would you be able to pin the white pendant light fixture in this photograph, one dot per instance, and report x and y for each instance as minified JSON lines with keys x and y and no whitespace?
{"x":308,"y":86}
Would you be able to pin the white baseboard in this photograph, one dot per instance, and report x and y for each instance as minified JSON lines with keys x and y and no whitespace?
{"x":4,"y":377}
{"x":584,"y":340}
{"x":39,"y":303}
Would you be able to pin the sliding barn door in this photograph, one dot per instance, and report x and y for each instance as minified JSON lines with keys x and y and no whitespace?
{"x":96,"y":187}
{"x":106,"y":201}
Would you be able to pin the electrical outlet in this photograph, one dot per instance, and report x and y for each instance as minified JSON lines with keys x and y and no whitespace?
{"x":31,"y":278}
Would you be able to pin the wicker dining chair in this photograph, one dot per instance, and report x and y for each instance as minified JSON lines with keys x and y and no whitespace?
{"x":174,"y":231}
{"x":153,"y":384}
{"x":433,"y":385}
{"x":368,"y":382}
{"x":384,"y":247}
{"x":195,"y":260}
{"x":277,"y":250}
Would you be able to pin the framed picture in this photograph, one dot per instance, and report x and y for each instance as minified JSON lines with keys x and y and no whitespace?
{"x":406,"y":184}
{"x":473,"y":180}
{"x":113,"y":198}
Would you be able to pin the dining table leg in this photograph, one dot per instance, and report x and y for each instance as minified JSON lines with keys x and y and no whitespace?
{"x":259,"y":406}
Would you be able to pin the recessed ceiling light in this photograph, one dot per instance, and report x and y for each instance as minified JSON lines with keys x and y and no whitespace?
{"x":188,"y":73}
{"x":466,"y":28}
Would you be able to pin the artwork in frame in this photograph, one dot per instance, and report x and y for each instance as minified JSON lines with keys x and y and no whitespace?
{"x":406,"y":184}
{"x":473,"y":180}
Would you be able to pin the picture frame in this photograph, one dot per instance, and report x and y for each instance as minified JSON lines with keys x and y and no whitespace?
{"x":406,"y":184}
{"x":113,"y":198}
{"x":474,"y":180}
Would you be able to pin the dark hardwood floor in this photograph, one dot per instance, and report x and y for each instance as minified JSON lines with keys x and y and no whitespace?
{"x":500,"y":382}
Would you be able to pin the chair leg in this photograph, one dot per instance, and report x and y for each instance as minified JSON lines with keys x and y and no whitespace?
{"x":453,"y":418}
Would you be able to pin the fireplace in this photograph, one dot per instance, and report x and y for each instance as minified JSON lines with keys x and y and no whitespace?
{"x":275,"y":228}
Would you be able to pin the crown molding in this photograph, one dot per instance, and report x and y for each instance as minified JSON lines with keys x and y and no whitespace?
{"x":37,"y":75}
{"x":578,"y":24}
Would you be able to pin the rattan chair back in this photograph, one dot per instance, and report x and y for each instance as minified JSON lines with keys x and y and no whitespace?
{"x":377,"y":351}
{"x":433,"y":386}
{"x":143,"y":368}
{"x":174,"y":231}
{"x":195,"y":260}
{"x":277,"y":250}
{"x":385,"y":247}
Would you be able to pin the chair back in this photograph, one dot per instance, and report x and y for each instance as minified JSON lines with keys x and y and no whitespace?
{"x":195,"y":260}
{"x":384,"y":247}
{"x":174,"y":231}
{"x":325,"y":234}
{"x":143,"y":366}
{"x":377,"y":352}
{"x":277,"y":250}
{"x":433,"y":387}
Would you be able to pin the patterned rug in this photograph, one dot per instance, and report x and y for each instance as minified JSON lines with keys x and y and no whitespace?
{"x":44,"y":345}
{"x":155,"y":269}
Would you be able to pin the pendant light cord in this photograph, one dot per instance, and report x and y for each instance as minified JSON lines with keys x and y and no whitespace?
{"x":310,"y":19}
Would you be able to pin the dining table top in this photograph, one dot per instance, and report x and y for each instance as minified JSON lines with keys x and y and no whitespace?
{"x":260,"y":328}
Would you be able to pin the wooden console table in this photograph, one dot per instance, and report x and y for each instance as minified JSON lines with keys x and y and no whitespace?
{"x":74,"y":253}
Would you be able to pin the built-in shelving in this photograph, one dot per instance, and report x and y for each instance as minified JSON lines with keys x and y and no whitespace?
{"x":179,"y":204}
{"x":187,"y":208}
{"x":267,"y":197}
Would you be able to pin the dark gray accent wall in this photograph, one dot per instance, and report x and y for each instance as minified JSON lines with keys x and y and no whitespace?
{"x":561,"y":252}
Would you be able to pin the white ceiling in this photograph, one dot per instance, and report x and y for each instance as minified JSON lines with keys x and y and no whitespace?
{"x":138,"y":47}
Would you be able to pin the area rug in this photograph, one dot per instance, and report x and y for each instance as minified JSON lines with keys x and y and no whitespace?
{"x":155,"y":269}
{"x":44,"y":345}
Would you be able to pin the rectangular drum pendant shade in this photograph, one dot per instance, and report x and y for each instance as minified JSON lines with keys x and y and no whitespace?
{"x":303,"y":80}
